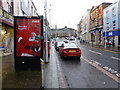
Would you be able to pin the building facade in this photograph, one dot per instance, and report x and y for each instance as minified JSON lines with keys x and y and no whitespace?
{"x":85,"y":26}
{"x":9,"y":9}
{"x":96,"y":23}
{"x":63,"y":32}
{"x":79,"y":26}
{"x":6,"y":25}
{"x":24,"y":8}
{"x":111,"y":25}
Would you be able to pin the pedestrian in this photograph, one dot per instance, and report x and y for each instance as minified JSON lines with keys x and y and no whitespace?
{"x":110,"y":43}
{"x":83,"y":41}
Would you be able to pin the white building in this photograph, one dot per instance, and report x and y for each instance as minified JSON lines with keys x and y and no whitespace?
{"x":85,"y":26}
{"x":111,"y":24}
{"x":24,"y":8}
{"x":63,"y":32}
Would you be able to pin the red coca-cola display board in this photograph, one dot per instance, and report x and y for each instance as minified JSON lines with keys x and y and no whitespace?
{"x":28,"y":39}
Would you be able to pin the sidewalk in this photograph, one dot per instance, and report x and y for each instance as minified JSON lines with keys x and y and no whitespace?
{"x":113,"y":49}
{"x":54,"y":78}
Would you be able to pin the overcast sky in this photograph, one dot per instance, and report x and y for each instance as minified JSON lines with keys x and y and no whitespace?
{"x":66,"y":12}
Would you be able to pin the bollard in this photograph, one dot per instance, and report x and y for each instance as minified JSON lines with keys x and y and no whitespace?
{"x":42,"y":70}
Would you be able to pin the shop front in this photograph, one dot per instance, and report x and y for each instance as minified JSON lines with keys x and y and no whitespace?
{"x":93,"y":34}
{"x":92,"y":38}
{"x":112,"y":37}
{"x":6,"y":31}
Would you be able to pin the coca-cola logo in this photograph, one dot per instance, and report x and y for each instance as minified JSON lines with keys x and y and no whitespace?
{"x":35,"y":21}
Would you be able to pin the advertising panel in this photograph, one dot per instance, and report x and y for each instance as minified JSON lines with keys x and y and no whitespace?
{"x":28,"y":37}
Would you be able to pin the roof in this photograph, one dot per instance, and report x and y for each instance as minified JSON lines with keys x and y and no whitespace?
{"x":70,"y":45}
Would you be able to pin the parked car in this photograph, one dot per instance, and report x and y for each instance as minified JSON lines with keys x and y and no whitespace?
{"x":67,"y":38}
{"x":70,"y":50}
{"x":57,"y":45}
{"x":66,"y":41}
{"x":72,"y":39}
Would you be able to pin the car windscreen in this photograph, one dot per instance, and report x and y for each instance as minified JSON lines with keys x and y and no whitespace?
{"x":59,"y":44}
{"x":70,"y":46}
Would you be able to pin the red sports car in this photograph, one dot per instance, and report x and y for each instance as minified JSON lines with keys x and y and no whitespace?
{"x":70,"y":50}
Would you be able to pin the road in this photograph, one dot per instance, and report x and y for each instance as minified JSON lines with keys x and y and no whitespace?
{"x":105,"y":58}
{"x":85,"y":75}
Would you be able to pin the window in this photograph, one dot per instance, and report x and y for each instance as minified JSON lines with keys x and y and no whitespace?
{"x":107,"y":26}
{"x":9,"y":7}
{"x":32,"y":10}
{"x":113,"y":12}
{"x":107,"y":15}
{"x":114,"y":24}
{"x":28,"y":3}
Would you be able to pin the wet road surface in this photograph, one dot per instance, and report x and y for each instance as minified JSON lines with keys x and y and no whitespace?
{"x":83,"y":75}
{"x":80,"y":74}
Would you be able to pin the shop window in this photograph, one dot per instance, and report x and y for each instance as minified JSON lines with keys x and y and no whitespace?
{"x":118,"y":40}
{"x":93,"y":37}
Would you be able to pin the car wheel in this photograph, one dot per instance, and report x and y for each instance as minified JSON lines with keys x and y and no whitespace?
{"x":62,"y":57}
{"x":78,"y":58}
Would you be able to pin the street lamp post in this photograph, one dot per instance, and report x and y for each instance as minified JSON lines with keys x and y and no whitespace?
{"x":105,"y":39}
{"x":46,"y":31}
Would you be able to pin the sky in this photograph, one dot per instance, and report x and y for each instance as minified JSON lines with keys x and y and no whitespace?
{"x":68,"y":13}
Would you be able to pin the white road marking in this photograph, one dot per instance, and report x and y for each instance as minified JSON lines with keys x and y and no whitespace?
{"x":81,"y":56}
{"x":115,"y":58}
{"x":95,"y":52}
{"x":118,"y":75}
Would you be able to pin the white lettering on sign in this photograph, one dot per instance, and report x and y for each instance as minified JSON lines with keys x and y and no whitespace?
{"x":35,"y":21}
{"x":22,"y":27}
{"x":110,"y":33}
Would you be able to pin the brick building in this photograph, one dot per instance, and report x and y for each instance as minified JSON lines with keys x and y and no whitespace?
{"x":96,"y":23}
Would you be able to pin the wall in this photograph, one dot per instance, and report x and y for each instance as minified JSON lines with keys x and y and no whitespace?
{"x":23,"y":8}
{"x":110,"y":16}
{"x":7,"y":29}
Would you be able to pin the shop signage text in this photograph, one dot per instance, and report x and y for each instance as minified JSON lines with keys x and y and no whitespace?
{"x":4,"y":15}
{"x":112,"y":33}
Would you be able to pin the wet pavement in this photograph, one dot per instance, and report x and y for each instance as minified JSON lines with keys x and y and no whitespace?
{"x":54,"y":76}
{"x":28,"y":78}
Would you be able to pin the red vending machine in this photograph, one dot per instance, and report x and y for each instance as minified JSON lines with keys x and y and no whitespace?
{"x":28,"y":41}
